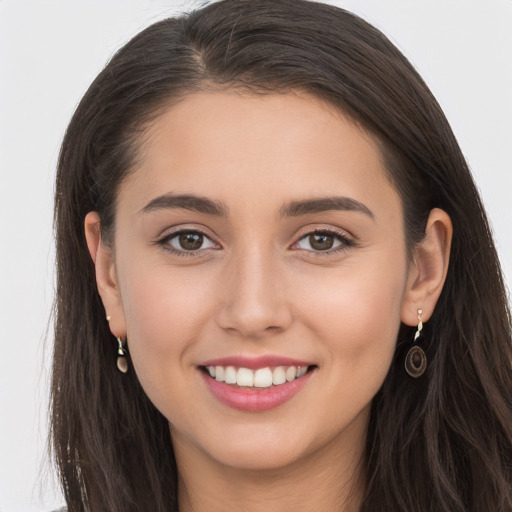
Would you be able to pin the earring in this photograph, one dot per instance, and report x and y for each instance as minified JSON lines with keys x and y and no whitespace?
{"x":416,"y":360}
{"x":122,"y":363}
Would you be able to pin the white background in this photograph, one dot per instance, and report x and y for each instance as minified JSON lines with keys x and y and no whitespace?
{"x":49,"y":53}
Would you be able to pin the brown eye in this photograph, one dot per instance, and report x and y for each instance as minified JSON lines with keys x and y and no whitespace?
{"x":321,"y":241}
{"x":324,"y":241}
{"x":190,"y":241}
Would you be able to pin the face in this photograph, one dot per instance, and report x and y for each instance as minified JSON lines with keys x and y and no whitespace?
{"x":259,"y":240}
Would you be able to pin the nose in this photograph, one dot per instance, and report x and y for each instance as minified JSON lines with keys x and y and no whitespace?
{"x":254,"y":301}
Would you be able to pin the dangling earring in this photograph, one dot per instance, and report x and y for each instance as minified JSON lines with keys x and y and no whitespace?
{"x":122,"y":363}
{"x":416,"y":360}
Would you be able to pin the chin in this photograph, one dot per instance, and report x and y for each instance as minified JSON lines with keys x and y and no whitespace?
{"x":258,"y":457}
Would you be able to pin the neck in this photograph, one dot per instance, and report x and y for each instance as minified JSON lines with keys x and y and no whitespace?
{"x":330,"y":480}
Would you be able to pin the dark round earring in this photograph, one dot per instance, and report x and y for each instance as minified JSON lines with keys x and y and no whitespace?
{"x":416,"y":360}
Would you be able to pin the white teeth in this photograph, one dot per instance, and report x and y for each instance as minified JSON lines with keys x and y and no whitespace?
{"x":230,"y":375}
{"x":219,"y":373}
{"x":260,"y":378}
{"x":263,"y":378}
{"x":291,"y":373}
{"x":278,"y":376}
{"x":245,"y":377}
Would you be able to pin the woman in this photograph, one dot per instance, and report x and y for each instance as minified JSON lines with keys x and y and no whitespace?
{"x":280,"y":289}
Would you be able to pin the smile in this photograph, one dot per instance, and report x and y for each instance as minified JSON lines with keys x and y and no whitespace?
{"x":259,"y":378}
{"x":256,"y":385}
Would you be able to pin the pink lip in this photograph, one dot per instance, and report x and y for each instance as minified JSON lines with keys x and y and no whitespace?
{"x":253,"y":399}
{"x":254,"y":363}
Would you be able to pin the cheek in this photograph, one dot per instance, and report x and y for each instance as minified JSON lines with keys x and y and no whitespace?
{"x":359,"y":317}
{"x":358,"y":327}
{"x":164,"y":310}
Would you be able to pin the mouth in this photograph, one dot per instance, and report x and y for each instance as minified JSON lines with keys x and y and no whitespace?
{"x":259,"y":378}
{"x":256,"y":385}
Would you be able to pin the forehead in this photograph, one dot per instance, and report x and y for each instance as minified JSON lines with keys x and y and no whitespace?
{"x":257,"y":147}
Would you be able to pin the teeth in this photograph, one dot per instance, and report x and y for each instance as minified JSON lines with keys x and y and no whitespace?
{"x":260,"y":378}
{"x":245,"y":377}
{"x":230,"y":375}
{"x":291,"y":373}
{"x":301,"y":371}
{"x":219,"y":373}
{"x":278,"y":376}
{"x":263,"y":378}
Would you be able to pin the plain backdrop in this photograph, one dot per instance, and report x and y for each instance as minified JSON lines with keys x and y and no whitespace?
{"x":49,"y":53}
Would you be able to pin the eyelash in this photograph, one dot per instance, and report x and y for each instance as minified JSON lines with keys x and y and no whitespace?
{"x":164,"y":242}
{"x":345,"y":242}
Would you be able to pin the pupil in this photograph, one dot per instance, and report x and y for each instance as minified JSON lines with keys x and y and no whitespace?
{"x":191,"y":241}
{"x":321,"y":242}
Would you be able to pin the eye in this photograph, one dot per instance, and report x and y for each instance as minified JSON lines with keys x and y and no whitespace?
{"x":188,"y":241}
{"x":323,"y":241}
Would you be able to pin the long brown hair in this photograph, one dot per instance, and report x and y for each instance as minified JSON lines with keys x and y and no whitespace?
{"x":439,"y":443}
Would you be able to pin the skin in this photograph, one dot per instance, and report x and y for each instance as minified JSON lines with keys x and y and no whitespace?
{"x":259,"y":286}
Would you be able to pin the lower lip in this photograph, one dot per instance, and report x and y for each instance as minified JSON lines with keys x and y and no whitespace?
{"x":255,"y":399}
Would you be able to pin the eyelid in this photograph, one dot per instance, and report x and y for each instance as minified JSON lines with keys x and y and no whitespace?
{"x":170,"y":233}
{"x":347,"y":240}
{"x":185,"y":226}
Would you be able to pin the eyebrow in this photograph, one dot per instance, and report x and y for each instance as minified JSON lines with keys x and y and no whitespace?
{"x":297,"y":208}
{"x":188,"y":202}
{"x":292,"y":209}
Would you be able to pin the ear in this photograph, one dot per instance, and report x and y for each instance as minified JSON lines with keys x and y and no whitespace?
{"x":428,"y":268}
{"x":106,"y":279}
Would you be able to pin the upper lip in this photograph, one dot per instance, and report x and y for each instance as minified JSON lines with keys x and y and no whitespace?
{"x":254,"y":363}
